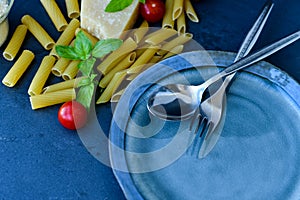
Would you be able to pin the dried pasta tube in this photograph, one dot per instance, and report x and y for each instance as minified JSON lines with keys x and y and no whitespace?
{"x":116,"y":96}
{"x":190,"y":12}
{"x":168,"y":21}
{"x":52,"y":98}
{"x":67,"y":36}
{"x":141,"y":61}
{"x":71,"y":71}
{"x":41,"y":76}
{"x":159,"y":36}
{"x":112,"y":87}
{"x":15,"y":43}
{"x":116,"y":56}
{"x":176,"y":50}
{"x":139,"y":33}
{"x":55,"y":14}
{"x":177,"y":9}
{"x":181,"y":26}
{"x":18,"y":69}
{"x":93,"y":39}
{"x":73,"y":83}
{"x":72,"y":8}
{"x":38,"y":32}
{"x":60,"y":66}
{"x":124,"y":64}
{"x":182,"y":39}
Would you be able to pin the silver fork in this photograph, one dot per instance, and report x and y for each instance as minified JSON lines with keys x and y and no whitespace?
{"x":210,"y":112}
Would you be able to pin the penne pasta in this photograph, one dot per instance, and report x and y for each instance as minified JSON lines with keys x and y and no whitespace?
{"x":112,"y":87}
{"x":73,"y":83}
{"x":141,"y":61}
{"x":67,"y":36}
{"x":116,"y":56}
{"x":139,"y":33}
{"x":124,"y":64}
{"x":93,"y":39}
{"x":71,"y":71}
{"x":176,"y":50}
{"x":168,"y":21}
{"x":18,"y":69}
{"x":41,"y":76}
{"x":177,"y":9}
{"x":38,"y":32}
{"x":55,"y":14}
{"x":182,"y":39}
{"x":116,"y":96}
{"x":159,"y":36}
{"x":72,"y":8}
{"x":15,"y":43}
{"x":60,"y":66}
{"x":190,"y":12}
{"x":181,"y":26}
{"x":140,"y":50}
{"x":52,"y":98}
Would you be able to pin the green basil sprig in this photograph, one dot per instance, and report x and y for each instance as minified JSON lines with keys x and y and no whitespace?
{"x":118,"y":5}
{"x":84,"y":51}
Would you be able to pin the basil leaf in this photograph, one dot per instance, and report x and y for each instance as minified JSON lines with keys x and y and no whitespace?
{"x":67,"y":52}
{"x":85,"y":95}
{"x":104,"y":47}
{"x":86,"y":66}
{"x":117,"y":5}
{"x":84,"y":82}
{"x":83,"y":46}
{"x":142,"y":1}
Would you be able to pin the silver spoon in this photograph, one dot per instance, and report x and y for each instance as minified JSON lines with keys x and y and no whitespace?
{"x":179,"y":102}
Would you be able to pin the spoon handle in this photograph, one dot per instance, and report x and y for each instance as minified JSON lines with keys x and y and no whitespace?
{"x":255,"y":57}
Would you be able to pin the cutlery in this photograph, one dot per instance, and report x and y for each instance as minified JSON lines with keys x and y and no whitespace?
{"x":179,"y":101}
{"x":212,"y":108}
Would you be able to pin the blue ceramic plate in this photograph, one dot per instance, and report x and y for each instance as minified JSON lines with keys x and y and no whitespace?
{"x":256,"y":156}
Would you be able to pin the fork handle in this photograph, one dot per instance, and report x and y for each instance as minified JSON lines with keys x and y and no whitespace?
{"x":255,"y":57}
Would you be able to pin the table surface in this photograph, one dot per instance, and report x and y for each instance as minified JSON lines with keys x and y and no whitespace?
{"x":42,"y":160}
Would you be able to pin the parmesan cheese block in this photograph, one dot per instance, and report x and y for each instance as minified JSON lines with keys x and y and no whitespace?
{"x":105,"y":25}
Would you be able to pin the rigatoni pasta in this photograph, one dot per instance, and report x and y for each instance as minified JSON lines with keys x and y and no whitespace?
{"x":71,"y":71}
{"x":116,"y":56}
{"x":41,"y":76}
{"x":38,"y":32}
{"x":139,"y":33}
{"x":15,"y":43}
{"x":52,"y":98}
{"x":124,"y":64}
{"x":60,"y":66}
{"x":67,"y":36}
{"x":112,"y":86}
{"x":176,"y":50}
{"x":138,"y":65}
{"x":18,"y":69}
{"x":55,"y":14}
{"x":73,"y":83}
{"x":182,"y":39}
{"x":159,"y":36}
{"x":72,"y":8}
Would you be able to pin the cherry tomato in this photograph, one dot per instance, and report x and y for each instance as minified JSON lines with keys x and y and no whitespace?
{"x":72,"y":115}
{"x":152,"y":10}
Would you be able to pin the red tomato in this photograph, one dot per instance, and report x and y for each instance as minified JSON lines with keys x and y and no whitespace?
{"x":72,"y":115}
{"x":152,"y":10}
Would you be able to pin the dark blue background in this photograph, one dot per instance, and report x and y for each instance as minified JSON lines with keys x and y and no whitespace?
{"x":41,"y":160}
